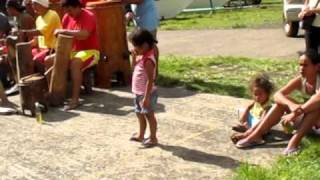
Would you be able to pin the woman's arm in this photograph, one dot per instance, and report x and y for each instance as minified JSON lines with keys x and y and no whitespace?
{"x":312,"y":104}
{"x":281,"y":97}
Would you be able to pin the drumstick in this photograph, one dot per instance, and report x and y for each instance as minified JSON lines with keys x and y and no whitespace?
{"x":48,"y":71}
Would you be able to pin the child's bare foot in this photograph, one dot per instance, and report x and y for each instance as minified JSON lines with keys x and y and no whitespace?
{"x":136,"y":138}
{"x":235,"y":137}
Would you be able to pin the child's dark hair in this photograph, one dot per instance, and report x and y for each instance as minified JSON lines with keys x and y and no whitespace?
{"x":262,"y":81}
{"x":312,"y":55}
{"x":140,"y":36}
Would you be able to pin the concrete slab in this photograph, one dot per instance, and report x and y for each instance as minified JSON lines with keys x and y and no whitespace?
{"x":92,"y":141}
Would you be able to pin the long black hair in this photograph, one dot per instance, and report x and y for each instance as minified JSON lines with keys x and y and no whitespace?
{"x":312,"y":55}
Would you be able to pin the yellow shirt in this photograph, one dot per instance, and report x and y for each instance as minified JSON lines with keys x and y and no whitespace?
{"x":257,"y":110}
{"x":46,"y":25}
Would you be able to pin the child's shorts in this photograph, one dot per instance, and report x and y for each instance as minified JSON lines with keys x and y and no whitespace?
{"x":138,"y":103}
{"x":251,"y":121}
{"x":88,"y":57}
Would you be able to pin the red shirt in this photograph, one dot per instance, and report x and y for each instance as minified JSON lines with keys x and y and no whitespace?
{"x":85,"y":21}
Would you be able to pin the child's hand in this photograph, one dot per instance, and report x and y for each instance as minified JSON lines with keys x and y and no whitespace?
{"x":145,"y":103}
{"x":133,"y":53}
{"x":129,"y":16}
{"x":289,"y":118}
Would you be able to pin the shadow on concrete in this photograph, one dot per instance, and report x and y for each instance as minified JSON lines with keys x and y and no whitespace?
{"x":107,"y":103}
{"x":177,"y":92}
{"x":56,"y":115}
{"x":276,"y":135}
{"x":201,"y":157}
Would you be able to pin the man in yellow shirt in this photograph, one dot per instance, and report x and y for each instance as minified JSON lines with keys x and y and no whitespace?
{"x":46,"y":23}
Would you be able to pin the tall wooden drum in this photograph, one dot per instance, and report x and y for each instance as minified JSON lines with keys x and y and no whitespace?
{"x":33,"y":88}
{"x":113,"y":42}
{"x":25,"y":64}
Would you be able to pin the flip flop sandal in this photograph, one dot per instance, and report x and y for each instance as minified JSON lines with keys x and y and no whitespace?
{"x":291,"y":151}
{"x":316,"y":130}
{"x":7,"y":111}
{"x":71,"y":106}
{"x":135,"y":138}
{"x":149,"y":144}
{"x":243,"y":143}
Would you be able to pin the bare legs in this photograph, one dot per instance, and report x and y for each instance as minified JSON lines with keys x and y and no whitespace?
{"x":307,"y":123}
{"x":143,"y":118}
{"x":76,"y":76}
{"x":271,"y":119}
{"x":142,"y":126}
{"x":153,"y":127}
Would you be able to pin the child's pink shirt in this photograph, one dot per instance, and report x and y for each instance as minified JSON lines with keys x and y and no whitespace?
{"x":139,"y":76}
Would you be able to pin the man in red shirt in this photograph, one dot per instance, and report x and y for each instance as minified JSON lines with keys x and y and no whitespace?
{"x":81,"y":25}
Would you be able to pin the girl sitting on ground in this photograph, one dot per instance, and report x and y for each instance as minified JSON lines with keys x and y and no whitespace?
{"x":144,"y":73}
{"x":261,"y":88}
{"x":302,"y":116}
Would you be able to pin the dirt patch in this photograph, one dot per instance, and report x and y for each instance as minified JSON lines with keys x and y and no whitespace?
{"x":256,"y":43}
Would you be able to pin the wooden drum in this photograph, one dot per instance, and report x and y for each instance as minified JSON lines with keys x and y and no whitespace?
{"x":113,"y":42}
{"x":25,"y":64}
{"x":33,"y":88}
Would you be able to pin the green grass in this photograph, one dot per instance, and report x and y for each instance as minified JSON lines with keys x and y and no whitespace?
{"x":221,"y":75}
{"x":305,"y":166}
{"x":268,"y":14}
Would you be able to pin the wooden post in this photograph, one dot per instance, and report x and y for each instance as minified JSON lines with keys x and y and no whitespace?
{"x":25,"y":65}
{"x":58,"y":81}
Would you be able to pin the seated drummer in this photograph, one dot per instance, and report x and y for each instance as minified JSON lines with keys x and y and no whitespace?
{"x":23,"y":19}
{"x":81,"y":25}
{"x":46,"y":23}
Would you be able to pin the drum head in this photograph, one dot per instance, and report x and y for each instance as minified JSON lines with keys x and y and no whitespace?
{"x":31,"y":78}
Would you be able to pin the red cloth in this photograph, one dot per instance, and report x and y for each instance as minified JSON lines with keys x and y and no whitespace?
{"x":85,"y":21}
